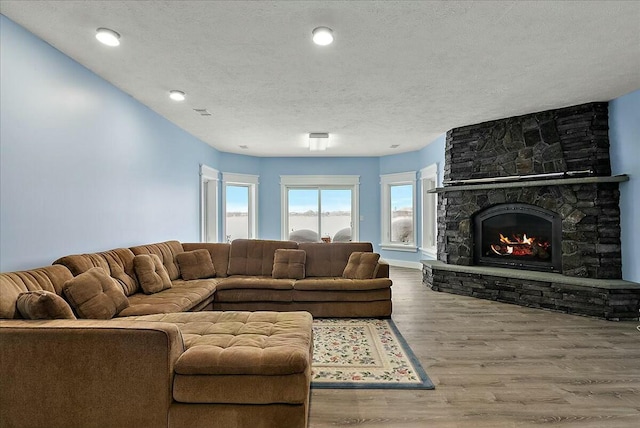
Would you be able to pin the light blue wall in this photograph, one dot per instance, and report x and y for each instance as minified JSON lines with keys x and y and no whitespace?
{"x":624,"y":136}
{"x":365,"y":167}
{"x":83,"y":166}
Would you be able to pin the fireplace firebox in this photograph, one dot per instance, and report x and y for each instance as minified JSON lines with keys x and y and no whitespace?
{"x":518,"y":236}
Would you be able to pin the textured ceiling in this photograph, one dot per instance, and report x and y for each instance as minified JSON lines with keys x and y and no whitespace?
{"x":399,"y":72}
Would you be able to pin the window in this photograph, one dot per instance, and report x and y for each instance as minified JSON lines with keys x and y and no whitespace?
{"x":398,"y":211}
{"x":240,"y":206}
{"x":208,"y":204}
{"x":428,"y":181}
{"x":319,"y":207}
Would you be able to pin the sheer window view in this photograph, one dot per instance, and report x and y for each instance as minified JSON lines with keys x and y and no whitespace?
{"x":319,"y":214}
{"x":401,"y":198}
{"x":237,"y":215}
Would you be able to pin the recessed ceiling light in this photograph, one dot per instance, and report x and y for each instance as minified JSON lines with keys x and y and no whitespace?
{"x":322,"y":36}
{"x":108,"y":37}
{"x":318,"y":141}
{"x":177,"y":95}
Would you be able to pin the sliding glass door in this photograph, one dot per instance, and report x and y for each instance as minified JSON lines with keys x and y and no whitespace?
{"x":319,"y":213}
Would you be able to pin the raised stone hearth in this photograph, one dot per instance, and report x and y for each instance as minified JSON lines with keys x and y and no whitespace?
{"x":609,"y":299}
{"x":557,"y":161}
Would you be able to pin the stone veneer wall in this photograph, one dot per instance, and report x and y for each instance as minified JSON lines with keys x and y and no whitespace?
{"x":567,"y":139}
{"x":573,"y":138}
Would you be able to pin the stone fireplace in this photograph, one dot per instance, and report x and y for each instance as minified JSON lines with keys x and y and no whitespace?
{"x":529,"y":214}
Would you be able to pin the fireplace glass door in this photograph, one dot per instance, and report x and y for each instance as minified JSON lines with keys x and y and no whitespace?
{"x":518,"y":236}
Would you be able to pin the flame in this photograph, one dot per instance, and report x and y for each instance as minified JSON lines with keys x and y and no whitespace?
{"x":520,"y":245}
{"x":517,"y":240}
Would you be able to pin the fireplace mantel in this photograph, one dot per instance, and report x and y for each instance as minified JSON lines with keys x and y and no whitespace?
{"x":532,"y":183}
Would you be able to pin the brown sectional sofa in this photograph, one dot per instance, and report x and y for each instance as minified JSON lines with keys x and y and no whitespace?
{"x":244,"y":282}
{"x":191,"y":355}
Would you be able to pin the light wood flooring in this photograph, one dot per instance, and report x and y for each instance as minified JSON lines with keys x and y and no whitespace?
{"x":497,"y":365}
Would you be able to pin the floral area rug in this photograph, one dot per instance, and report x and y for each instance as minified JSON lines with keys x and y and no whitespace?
{"x":364,"y":353}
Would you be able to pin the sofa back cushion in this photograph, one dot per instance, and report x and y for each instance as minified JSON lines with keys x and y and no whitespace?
{"x":196,"y":264}
{"x":43,"y":305}
{"x":49,"y":278}
{"x":219,"y":253}
{"x":151,"y":273}
{"x":167,"y":252}
{"x":94,"y":294}
{"x":117,"y":263}
{"x":330,"y":259}
{"x":361,"y":265}
{"x":255,"y":256}
{"x":289,"y":264}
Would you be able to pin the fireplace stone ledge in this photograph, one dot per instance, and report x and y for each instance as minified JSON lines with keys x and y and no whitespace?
{"x":532,"y":183}
{"x":611,"y":299}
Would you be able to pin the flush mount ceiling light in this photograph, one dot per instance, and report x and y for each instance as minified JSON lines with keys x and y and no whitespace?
{"x":177,"y":95}
{"x":322,"y":36}
{"x":108,"y":37}
{"x":318,"y":141}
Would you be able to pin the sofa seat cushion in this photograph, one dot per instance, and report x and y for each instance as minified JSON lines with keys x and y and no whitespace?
{"x":255,"y":289}
{"x":256,"y":282}
{"x":242,"y":357}
{"x":341,"y":284}
{"x":181,"y":297}
{"x":342,"y":296}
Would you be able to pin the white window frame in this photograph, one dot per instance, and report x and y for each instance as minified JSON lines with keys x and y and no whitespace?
{"x":351,"y":182}
{"x":428,"y":181}
{"x":247,"y":180}
{"x":386,"y":182}
{"x":209,"y":202}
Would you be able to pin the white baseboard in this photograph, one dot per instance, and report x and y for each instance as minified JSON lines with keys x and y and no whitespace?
{"x":404,"y":264}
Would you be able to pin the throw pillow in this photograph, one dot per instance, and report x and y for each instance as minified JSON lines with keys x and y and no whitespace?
{"x":361,"y":266}
{"x":94,"y":294}
{"x":152,"y":275}
{"x":43,"y":305}
{"x":289,"y":264}
{"x":196,"y":264}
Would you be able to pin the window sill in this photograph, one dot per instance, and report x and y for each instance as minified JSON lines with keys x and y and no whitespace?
{"x":399,"y":247}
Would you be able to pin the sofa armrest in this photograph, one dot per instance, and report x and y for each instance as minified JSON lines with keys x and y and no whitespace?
{"x":73,"y":373}
{"x":383,"y":269}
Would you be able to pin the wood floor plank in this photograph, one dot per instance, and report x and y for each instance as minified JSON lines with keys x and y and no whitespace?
{"x":497,"y":365}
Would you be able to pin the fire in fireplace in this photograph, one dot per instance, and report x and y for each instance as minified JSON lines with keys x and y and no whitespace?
{"x":518,"y":235}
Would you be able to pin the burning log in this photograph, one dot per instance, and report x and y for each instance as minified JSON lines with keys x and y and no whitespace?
{"x":520,"y":247}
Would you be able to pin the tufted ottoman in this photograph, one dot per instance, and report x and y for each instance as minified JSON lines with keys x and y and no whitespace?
{"x":248,"y":369}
